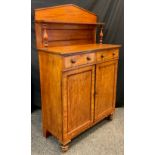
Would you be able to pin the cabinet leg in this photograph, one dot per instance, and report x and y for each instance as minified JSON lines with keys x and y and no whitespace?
{"x":45,"y":133}
{"x":64,"y":148}
{"x":110,"y":117}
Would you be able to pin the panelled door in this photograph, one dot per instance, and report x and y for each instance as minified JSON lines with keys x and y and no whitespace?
{"x":78,"y":100}
{"x":105,"y":88}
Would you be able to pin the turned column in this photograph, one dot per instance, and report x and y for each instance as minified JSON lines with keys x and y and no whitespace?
{"x":101,"y":34}
{"x":45,"y":36}
{"x":110,"y":117}
{"x":64,"y":148}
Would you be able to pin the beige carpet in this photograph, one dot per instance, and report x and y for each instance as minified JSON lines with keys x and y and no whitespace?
{"x":106,"y":138}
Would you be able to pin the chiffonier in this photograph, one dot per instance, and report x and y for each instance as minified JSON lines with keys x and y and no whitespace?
{"x":77,"y":75}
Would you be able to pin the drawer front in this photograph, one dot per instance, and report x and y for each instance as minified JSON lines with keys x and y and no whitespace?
{"x":107,"y":55}
{"x":77,"y":60}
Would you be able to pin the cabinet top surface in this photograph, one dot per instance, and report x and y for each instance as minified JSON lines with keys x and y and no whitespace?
{"x":73,"y":49}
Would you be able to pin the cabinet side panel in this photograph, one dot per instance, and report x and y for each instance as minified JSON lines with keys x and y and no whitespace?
{"x":50,"y":77}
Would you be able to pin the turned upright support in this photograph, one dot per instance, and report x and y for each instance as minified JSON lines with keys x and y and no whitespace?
{"x":101,"y":34}
{"x":110,"y":117}
{"x":46,"y":133}
{"x":64,"y":148}
{"x":45,"y":36}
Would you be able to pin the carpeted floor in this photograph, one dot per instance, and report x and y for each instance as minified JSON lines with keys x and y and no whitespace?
{"x":106,"y":138}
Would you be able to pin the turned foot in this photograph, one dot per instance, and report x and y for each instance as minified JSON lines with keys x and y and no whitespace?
{"x":45,"y":133}
{"x":64,"y":148}
{"x":110,"y":117}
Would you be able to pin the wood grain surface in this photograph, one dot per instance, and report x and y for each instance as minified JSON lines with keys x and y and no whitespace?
{"x":78,"y":77}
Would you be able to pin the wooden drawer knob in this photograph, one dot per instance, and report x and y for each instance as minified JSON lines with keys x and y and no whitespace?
{"x":113,"y":54}
{"x":88,"y":58}
{"x":73,"y":61}
{"x":102,"y":56}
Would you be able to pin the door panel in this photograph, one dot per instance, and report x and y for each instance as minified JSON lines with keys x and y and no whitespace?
{"x":79,"y":98}
{"x":105,"y":88}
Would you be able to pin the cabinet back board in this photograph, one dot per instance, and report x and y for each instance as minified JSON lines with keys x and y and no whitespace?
{"x":65,"y":25}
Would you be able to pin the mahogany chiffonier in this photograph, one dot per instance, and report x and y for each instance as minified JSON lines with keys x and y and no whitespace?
{"x":78,"y":76}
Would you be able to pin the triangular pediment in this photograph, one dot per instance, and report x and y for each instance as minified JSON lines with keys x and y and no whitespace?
{"x":65,"y":13}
